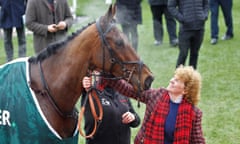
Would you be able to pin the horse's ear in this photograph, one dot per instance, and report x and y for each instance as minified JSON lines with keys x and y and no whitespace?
{"x":111,"y":12}
{"x":114,"y":7}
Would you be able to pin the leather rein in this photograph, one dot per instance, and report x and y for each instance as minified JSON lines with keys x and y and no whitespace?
{"x":46,"y":91}
{"x":91,"y":96}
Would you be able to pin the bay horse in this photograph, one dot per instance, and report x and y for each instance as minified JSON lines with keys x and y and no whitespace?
{"x":42,"y":108}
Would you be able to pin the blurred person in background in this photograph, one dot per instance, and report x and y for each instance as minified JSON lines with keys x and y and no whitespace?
{"x":49,"y":20}
{"x":11,"y":16}
{"x":129,"y":15}
{"x":192,"y":17}
{"x":158,"y":9}
{"x":226,"y":6}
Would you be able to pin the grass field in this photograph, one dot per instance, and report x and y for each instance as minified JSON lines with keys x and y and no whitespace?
{"x":219,"y":65}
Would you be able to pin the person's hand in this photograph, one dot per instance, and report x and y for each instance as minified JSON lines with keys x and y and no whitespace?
{"x":52,"y":28}
{"x":87,"y":83}
{"x":61,"y":25}
{"x":128,"y":117}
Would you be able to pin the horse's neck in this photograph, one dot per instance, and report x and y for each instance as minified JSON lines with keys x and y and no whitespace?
{"x":65,"y":84}
{"x":65,"y":70}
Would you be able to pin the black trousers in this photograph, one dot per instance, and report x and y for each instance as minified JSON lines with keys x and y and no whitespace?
{"x":189,"y":40}
{"x":8,"y":42}
{"x":130,"y":30}
{"x":157,"y":14}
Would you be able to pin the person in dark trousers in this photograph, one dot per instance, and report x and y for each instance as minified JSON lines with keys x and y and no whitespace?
{"x":129,"y":15}
{"x":118,"y":116}
{"x":49,"y":20}
{"x":158,"y":9}
{"x":192,"y":17}
{"x":226,"y":6}
{"x":11,"y":16}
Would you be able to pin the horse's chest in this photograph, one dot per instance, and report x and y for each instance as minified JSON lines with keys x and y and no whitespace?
{"x":64,"y":126}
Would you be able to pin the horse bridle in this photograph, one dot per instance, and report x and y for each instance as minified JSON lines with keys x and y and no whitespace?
{"x":127,"y":74}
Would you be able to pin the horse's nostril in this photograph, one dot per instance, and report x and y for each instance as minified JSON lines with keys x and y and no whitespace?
{"x":148,"y":82}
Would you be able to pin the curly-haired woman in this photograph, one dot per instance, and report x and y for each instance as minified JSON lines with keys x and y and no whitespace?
{"x":171,"y":113}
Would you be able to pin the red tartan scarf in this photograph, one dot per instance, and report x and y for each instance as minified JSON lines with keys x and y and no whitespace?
{"x":155,"y":129}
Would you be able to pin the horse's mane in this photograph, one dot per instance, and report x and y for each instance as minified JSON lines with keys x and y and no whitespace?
{"x":52,"y":48}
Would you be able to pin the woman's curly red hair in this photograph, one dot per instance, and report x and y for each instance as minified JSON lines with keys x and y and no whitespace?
{"x":192,"y":81}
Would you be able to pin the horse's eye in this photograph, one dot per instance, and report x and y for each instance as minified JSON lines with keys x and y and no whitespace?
{"x":119,"y":43}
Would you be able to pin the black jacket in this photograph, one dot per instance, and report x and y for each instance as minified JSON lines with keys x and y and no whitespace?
{"x":158,"y":2}
{"x":129,"y":12}
{"x":191,"y":14}
{"x":111,"y":130}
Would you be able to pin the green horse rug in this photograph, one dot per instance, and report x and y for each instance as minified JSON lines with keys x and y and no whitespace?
{"x":21,"y":118}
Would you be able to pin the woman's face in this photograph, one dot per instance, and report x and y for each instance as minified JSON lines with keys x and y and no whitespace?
{"x":176,"y":86}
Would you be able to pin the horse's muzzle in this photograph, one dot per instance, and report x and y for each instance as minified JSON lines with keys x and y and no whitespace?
{"x":148,"y":82}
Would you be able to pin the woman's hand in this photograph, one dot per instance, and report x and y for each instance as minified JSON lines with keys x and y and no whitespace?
{"x":128,"y":117}
{"x":87,"y":83}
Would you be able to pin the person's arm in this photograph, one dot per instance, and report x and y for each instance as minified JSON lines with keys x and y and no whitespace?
{"x":126,"y":89}
{"x":31,"y":19}
{"x":197,"y":134}
{"x":173,"y":7}
{"x":206,"y":8}
{"x":83,"y":97}
{"x":137,"y":119}
{"x":68,"y":18}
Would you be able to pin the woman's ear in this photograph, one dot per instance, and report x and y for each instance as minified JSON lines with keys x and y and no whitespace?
{"x":184,"y":92}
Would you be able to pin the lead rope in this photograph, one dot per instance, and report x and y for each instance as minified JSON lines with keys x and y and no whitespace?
{"x":91,"y":94}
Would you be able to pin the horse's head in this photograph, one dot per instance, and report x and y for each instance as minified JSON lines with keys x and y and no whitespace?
{"x":117,"y":56}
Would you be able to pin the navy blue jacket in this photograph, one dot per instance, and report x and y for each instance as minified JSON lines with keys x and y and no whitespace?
{"x":11,"y":14}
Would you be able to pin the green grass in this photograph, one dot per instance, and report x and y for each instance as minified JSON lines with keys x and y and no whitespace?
{"x":218,"y":64}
